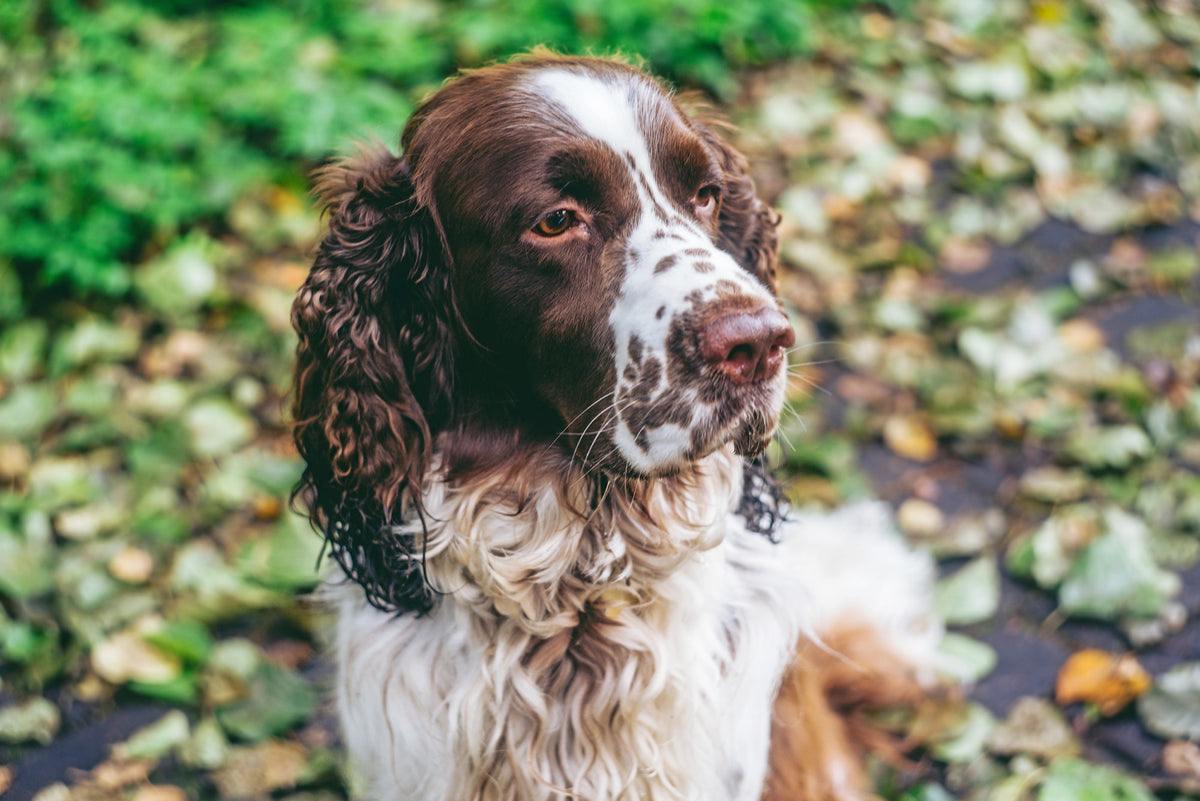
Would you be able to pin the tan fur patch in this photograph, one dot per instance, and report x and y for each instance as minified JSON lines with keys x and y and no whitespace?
{"x":820,"y":731}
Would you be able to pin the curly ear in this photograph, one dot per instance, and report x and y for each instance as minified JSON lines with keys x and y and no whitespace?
{"x":373,"y":372}
{"x":747,"y":225}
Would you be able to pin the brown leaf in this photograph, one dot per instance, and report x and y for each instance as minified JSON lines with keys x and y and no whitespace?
{"x":964,"y":256}
{"x":1081,"y":335}
{"x":117,"y":774}
{"x":254,"y":771}
{"x":1108,"y":681}
{"x":159,"y":792}
{"x":1181,"y":758}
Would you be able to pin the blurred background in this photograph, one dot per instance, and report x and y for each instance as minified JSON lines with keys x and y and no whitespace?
{"x":991,"y":248}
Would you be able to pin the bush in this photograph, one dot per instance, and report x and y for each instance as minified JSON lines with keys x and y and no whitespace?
{"x":126,"y":124}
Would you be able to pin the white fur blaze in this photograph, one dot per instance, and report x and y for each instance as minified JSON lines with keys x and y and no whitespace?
{"x":673,"y":266}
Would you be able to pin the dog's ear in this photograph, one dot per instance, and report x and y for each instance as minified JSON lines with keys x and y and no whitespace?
{"x":747,"y":225}
{"x":373,"y":373}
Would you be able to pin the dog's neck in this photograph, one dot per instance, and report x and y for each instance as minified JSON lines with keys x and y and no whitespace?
{"x":547,"y":542}
{"x":576,"y":581}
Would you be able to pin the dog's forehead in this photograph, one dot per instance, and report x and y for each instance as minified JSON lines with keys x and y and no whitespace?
{"x":617,"y":109}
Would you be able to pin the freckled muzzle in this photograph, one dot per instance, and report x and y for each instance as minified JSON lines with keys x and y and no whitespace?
{"x":715,"y":376}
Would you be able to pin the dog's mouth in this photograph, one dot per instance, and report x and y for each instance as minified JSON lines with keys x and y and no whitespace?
{"x":649,"y":437}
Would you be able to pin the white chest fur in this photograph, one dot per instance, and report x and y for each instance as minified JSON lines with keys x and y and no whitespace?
{"x":609,"y":688}
{"x":611,"y":664}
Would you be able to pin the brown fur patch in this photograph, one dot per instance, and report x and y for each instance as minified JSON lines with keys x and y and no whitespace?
{"x":821,"y":731}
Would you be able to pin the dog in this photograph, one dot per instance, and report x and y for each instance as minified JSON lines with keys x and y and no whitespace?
{"x":540,"y":357}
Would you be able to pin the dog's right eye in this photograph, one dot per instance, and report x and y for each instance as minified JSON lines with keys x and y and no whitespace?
{"x":555,"y":223}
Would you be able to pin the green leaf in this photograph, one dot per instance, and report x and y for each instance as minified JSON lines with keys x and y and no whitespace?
{"x":36,"y":720}
{"x":971,"y":595}
{"x":1075,"y":780}
{"x":23,"y":349}
{"x":968,"y":740}
{"x":186,"y":639}
{"x":26,"y":410}
{"x":181,"y":689}
{"x":968,"y":660}
{"x":1172,"y":707}
{"x":27,"y":558}
{"x":288,"y":558}
{"x":1116,"y":447}
{"x":93,"y":340}
{"x":158,"y":739}
{"x":217,"y":427}
{"x":277,"y":699}
{"x":1115,"y":574}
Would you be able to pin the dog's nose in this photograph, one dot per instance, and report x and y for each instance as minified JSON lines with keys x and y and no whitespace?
{"x":747,"y":346}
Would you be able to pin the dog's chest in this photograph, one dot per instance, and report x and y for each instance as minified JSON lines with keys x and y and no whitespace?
{"x":672,"y":700}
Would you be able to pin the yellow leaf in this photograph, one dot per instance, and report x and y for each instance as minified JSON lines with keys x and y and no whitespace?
{"x":910,"y":437}
{"x":1108,"y":681}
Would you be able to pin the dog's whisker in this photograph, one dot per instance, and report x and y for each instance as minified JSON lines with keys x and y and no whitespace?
{"x":815,"y":344}
{"x":606,"y":396}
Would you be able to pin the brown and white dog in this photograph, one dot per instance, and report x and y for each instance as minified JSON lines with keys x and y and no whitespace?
{"x":540,"y":356}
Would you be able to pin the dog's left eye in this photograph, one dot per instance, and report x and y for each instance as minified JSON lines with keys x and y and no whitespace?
{"x":555,"y":223}
{"x":706,"y":198}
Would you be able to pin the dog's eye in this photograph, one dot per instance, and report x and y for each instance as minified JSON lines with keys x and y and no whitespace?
{"x":706,"y":198}
{"x":555,"y":223}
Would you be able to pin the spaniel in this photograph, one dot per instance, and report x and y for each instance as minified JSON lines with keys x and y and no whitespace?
{"x":540,"y":357}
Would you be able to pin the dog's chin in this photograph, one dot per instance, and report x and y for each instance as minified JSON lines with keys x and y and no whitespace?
{"x":750,"y":436}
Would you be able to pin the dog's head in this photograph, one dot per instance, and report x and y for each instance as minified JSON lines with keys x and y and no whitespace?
{"x":562,"y":258}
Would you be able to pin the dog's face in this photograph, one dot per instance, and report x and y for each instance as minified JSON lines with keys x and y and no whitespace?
{"x":563,"y":265}
{"x":582,"y":212}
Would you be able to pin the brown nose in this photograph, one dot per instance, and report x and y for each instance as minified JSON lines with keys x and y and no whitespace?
{"x":747,"y":346}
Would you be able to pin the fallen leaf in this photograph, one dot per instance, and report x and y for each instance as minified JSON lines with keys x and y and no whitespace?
{"x":276,"y":699}
{"x":970,"y":595}
{"x":1081,"y":335}
{"x":35,"y":720}
{"x":1115,"y":574}
{"x":254,"y":771}
{"x":131,"y":565}
{"x":910,"y":436}
{"x":156,"y":740}
{"x":1182,"y":759}
{"x":117,"y":773}
{"x":217,"y":427}
{"x":1116,"y":446}
{"x":1171,"y":709}
{"x":1071,"y":779}
{"x":1054,"y":484}
{"x":207,"y":747}
{"x":1033,"y":726}
{"x":126,"y":655}
{"x":963,"y":256}
{"x":964,"y":658}
{"x":159,"y":792}
{"x":919,"y":518}
{"x":1107,"y":681}
{"x":967,"y":740}
{"x":54,"y":792}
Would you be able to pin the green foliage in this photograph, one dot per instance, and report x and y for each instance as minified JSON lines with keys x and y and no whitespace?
{"x":128,"y":123}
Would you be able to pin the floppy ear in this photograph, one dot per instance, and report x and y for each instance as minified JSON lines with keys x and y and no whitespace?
{"x":747,"y":225}
{"x":373,"y":372}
